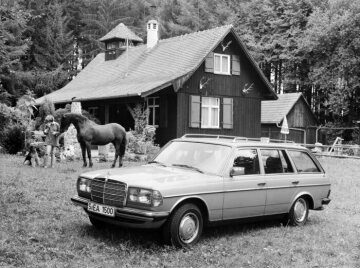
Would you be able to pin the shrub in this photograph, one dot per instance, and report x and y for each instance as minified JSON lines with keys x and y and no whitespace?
{"x":8,"y":116}
{"x":141,"y":140}
{"x":13,"y":138}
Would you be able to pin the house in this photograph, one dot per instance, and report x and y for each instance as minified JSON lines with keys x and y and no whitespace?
{"x":301,"y":120}
{"x":203,"y":82}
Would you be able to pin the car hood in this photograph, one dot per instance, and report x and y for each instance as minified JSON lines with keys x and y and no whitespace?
{"x":153,"y":176}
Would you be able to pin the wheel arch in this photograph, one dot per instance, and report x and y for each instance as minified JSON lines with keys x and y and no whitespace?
{"x":308,"y":197}
{"x":198,"y":201}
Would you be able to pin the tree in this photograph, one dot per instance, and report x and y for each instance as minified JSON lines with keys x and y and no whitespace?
{"x":332,"y":46}
{"x":100,"y":17}
{"x":51,"y":49}
{"x":13,"y":45}
{"x":181,"y":17}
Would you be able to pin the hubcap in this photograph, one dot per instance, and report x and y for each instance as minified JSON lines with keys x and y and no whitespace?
{"x":189,"y":227}
{"x":300,"y":210}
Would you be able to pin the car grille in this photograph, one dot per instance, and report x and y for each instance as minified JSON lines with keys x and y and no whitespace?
{"x":108,"y":192}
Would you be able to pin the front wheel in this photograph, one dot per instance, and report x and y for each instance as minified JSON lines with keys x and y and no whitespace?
{"x":184,"y":227}
{"x":299,"y":212}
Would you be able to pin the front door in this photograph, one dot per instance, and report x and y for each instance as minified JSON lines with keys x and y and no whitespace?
{"x":245,"y":191}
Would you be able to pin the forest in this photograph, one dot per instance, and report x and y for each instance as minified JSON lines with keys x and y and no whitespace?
{"x":308,"y":46}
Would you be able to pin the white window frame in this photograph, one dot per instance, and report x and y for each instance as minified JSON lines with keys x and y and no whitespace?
{"x":150,"y":102}
{"x":221,"y":59}
{"x":210,"y":112}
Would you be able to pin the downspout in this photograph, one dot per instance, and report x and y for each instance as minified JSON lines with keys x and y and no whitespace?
{"x":298,"y":129}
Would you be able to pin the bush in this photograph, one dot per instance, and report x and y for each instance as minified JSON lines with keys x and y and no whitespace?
{"x":13,"y":138}
{"x":8,"y":116}
{"x":141,"y":140}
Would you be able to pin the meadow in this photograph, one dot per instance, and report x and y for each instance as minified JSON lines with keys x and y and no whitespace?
{"x":39,"y":227}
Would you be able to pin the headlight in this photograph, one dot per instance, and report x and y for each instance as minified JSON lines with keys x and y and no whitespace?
{"x":84,"y":187}
{"x":144,"y":196}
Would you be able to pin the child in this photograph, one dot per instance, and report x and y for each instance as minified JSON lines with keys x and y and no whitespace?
{"x":52,"y":131}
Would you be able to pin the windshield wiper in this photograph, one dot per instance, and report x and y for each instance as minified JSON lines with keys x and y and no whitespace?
{"x":187,"y":166}
{"x":157,"y":162}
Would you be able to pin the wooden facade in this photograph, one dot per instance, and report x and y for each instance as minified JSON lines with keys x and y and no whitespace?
{"x":301,"y":121}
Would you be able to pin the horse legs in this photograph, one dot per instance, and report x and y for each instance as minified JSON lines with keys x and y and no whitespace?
{"x":88,"y":148}
{"x":117,"y":146}
{"x":83,"y":151}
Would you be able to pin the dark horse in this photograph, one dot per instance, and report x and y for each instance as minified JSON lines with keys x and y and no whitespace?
{"x":88,"y":132}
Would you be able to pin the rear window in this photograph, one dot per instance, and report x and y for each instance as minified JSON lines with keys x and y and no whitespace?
{"x":303,"y":162}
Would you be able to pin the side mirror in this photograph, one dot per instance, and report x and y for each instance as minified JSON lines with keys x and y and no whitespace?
{"x":237,"y":171}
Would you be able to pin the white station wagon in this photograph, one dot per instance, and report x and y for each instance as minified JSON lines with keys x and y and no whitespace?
{"x":200,"y":180}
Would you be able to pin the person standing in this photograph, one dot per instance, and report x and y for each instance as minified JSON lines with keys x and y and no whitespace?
{"x":52,"y":131}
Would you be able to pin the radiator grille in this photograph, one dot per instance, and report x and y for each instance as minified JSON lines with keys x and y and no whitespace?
{"x":108,"y":192}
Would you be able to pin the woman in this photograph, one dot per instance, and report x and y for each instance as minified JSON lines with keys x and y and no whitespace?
{"x":52,"y":131}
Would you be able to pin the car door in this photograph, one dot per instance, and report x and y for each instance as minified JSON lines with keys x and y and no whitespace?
{"x":244,"y":189}
{"x":280,"y":180}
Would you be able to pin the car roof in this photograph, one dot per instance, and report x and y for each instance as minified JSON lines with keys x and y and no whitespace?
{"x":235,"y":141}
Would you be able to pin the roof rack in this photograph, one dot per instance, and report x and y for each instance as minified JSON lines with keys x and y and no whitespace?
{"x":236,"y":138}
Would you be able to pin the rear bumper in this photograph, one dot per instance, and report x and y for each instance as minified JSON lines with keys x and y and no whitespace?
{"x":325,"y":201}
{"x":127,"y":217}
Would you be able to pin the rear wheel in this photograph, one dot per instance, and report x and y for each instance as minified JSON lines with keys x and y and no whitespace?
{"x":184,"y":227}
{"x":299,"y":212}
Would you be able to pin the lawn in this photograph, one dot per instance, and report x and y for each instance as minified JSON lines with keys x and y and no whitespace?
{"x":39,"y":227}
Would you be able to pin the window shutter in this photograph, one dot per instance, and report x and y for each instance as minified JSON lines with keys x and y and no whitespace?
{"x":235,"y":60}
{"x":227,"y":113}
{"x":195,"y":108}
{"x":209,"y":63}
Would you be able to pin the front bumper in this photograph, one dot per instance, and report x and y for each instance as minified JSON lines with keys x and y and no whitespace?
{"x":127,"y":217}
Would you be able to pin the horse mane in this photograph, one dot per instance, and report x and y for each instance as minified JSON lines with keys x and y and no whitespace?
{"x":77,"y":117}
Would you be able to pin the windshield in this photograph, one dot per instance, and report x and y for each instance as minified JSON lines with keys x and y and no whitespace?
{"x":203,"y":157}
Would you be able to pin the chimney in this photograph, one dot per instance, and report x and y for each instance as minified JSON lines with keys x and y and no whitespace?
{"x":152,"y":33}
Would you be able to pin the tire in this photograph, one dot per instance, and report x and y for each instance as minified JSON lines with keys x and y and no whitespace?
{"x":299,"y":212}
{"x":184,"y":227}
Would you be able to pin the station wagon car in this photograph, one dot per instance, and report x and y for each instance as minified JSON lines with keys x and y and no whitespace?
{"x":199,"y":180}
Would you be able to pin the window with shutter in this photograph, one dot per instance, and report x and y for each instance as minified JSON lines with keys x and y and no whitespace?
{"x":235,"y":68}
{"x":209,"y":63}
{"x":195,"y":107}
{"x":228,"y":113}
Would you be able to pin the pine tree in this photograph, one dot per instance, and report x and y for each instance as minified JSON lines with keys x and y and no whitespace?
{"x":13,"y":46}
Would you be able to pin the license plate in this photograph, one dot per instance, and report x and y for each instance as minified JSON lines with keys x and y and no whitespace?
{"x":101,"y":209}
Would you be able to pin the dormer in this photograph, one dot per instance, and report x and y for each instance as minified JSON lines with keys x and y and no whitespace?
{"x":117,"y":40}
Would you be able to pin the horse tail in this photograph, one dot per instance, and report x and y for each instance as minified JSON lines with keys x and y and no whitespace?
{"x":123,"y":146}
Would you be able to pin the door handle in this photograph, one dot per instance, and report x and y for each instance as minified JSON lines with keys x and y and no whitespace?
{"x":261,"y":184}
{"x":295,"y":182}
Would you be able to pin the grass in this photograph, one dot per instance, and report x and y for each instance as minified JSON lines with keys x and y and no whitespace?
{"x":39,"y":227}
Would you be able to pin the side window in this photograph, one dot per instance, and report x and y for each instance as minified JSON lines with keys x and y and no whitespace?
{"x":303,"y":162}
{"x":246,"y":162}
{"x":275,"y":161}
{"x":287,"y":168}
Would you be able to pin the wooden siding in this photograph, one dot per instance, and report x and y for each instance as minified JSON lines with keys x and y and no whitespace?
{"x":246,"y":118}
{"x":301,"y":116}
{"x":247,"y":106}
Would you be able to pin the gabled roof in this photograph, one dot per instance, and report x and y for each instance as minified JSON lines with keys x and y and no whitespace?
{"x":141,"y":71}
{"x":273,"y":112}
{"x":121,"y":32}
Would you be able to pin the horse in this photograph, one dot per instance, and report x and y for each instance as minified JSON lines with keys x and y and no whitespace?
{"x":88,"y":133}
